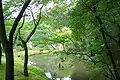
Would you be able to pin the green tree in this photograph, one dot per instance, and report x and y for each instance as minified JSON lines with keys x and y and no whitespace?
{"x":101,"y":16}
{"x":8,"y":43}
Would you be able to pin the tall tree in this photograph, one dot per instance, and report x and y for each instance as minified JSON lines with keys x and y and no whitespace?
{"x":93,"y":9}
{"x":8,"y":43}
{"x":104,"y":17}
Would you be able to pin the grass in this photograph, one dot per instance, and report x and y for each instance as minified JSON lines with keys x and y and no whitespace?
{"x":34,"y":72}
{"x":34,"y":52}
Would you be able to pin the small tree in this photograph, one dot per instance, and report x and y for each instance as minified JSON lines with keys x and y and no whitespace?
{"x":24,"y":42}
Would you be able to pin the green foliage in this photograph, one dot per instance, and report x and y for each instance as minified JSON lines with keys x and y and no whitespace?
{"x":8,"y":24}
{"x":84,"y":32}
{"x":86,"y":28}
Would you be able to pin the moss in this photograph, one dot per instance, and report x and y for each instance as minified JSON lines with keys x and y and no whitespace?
{"x":2,"y":71}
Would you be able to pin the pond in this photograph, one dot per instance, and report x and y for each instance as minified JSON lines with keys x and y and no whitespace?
{"x":58,"y":66}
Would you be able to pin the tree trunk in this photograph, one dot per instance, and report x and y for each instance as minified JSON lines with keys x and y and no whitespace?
{"x":0,"y":54}
{"x":26,"y":59}
{"x":9,"y":65}
{"x":8,"y":48}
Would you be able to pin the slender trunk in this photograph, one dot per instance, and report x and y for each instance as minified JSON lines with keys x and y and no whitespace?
{"x":0,"y":54}
{"x":26,"y":59}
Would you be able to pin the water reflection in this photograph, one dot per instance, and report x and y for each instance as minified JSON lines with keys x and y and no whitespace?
{"x":30,"y":63}
{"x":49,"y":75}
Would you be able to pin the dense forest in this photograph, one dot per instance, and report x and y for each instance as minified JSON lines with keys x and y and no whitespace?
{"x":59,"y":40}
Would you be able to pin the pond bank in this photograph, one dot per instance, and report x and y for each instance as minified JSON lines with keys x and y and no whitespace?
{"x":34,"y":72}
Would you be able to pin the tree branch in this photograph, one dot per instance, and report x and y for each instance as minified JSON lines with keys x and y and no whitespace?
{"x":19,"y":30}
{"x":17,"y":21}
{"x":32,"y":15}
{"x":108,"y":68}
{"x":35,"y":24}
{"x":72,"y":52}
{"x":90,"y":58}
{"x":3,"y":36}
{"x":110,"y":37}
{"x":107,"y":76}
